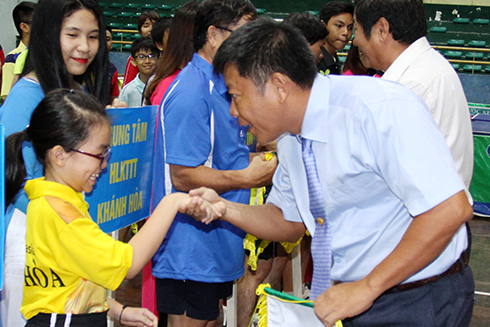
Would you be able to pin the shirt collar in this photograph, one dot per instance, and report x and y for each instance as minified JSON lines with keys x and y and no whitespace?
{"x":140,"y":86}
{"x":315,"y":119}
{"x":208,"y":70}
{"x":39,"y":187}
{"x":406,"y":58}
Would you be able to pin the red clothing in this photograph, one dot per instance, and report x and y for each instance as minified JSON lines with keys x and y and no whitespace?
{"x":2,"y":60}
{"x":130,"y":72}
{"x":2,"y":56}
{"x":148,"y":290}
{"x":114,"y":80}
{"x":157,"y":96}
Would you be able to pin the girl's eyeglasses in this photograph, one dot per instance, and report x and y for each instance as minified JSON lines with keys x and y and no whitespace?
{"x":104,"y":158}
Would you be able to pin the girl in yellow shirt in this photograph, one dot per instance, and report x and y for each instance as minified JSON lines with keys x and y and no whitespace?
{"x":70,"y":262}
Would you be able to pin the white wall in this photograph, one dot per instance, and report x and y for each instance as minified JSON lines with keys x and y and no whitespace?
{"x":7,"y":27}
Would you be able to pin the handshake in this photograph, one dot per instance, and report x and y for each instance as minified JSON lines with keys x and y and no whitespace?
{"x":205,"y":205}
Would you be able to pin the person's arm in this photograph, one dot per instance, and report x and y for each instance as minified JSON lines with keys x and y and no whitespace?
{"x":149,"y":238}
{"x":265,"y":221}
{"x":131,"y":316}
{"x":258,"y":173}
{"x":425,"y":239}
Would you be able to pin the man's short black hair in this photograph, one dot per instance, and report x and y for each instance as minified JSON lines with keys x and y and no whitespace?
{"x":406,"y":18}
{"x":145,"y":43}
{"x":159,"y":28}
{"x":334,"y":8}
{"x":309,"y":25}
{"x":261,"y":48}
{"x":108,"y":28}
{"x":220,"y":13}
{"x":23,"y":13}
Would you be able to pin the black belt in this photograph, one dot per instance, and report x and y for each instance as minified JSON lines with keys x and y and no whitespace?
{"x":458,"y":266}
{"x":87,"y":319}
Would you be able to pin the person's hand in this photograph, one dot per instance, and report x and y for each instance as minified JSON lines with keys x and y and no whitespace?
{"x":116,"y":103}
{"x":138,"y":317}
{"x":260,"y":170}
{"x":204,"y":205}
{"x":343,"y":301}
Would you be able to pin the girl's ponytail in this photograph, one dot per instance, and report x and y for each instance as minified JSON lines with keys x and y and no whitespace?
{"x":15,"y":171}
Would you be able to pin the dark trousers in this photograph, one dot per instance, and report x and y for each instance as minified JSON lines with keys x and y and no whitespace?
{"x":446,"y":302}
{"x":81,"y":320}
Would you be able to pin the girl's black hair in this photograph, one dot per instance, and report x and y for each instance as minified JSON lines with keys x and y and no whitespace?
{"x":64,"y":117}
{"x":180,"y":48}
{"x":45,"y":57}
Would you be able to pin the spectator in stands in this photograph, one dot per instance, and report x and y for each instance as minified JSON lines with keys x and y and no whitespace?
{"x":145,"y":25}
{"x":353,"y":64}
{"x":178,"y":52}
{"x":312,"y":29}
{"x":199,"y":143}
{"x":390,"y":35}
{"x":146,"y":21}
{"x":22,"y":15}
{"x":337,"y":18}
{"x":144,"y":54}
{"x":113,"y":74}
{"x":159,"y":32}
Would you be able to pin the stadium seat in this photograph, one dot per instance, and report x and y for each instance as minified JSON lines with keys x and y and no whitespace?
{"x":132,"y":6}
{"x":116,"y":25}
{"x":455,"y":42}
{"x":149,"y":6}
{"x":474,"y":55}
{"x":130,"y":26}
{"x":471,"y":68}
{"x":477,"y":44}
{"x":459,"y":20}
{"x":116,"y":5}
{"x":110,"y":13}
{"x":124,"y":14}
{"x":453,"y":54}
{"x":438,"y":29}
{"x":482,"y":21}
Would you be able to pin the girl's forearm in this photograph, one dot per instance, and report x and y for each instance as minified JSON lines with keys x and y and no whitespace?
{"x":147,"y":241}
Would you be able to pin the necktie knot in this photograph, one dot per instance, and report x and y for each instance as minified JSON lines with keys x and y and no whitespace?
{"x":306,"y":146}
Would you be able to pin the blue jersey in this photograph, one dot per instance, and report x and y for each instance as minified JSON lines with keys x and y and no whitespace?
{"x":195,"y":128}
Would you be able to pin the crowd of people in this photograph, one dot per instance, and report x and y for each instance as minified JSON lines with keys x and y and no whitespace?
{"x":372,"y":174}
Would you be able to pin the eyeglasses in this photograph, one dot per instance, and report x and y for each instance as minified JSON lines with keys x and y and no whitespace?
{"x":143,"y":57}
{"x":104,"y":158}
{"x":224,"y":29}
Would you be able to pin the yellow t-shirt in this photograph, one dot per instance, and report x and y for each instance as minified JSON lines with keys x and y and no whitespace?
{"x":70,"y":262}
{"x":8,"y":69}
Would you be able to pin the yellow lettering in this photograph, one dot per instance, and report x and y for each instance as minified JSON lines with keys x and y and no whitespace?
{"x":135,"y":201}
{"x":120,"y":134}
{"x":123,"y":170}
{"x":113,"y":209}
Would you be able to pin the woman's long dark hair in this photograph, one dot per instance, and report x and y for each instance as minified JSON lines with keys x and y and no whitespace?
{"x":64,"y":117}
{"x":179,"y":48}
{"x":45,"y":57}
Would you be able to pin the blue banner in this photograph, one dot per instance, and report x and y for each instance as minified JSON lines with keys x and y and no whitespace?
{"x":122,"y":195}
{"x":3,"y":227}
